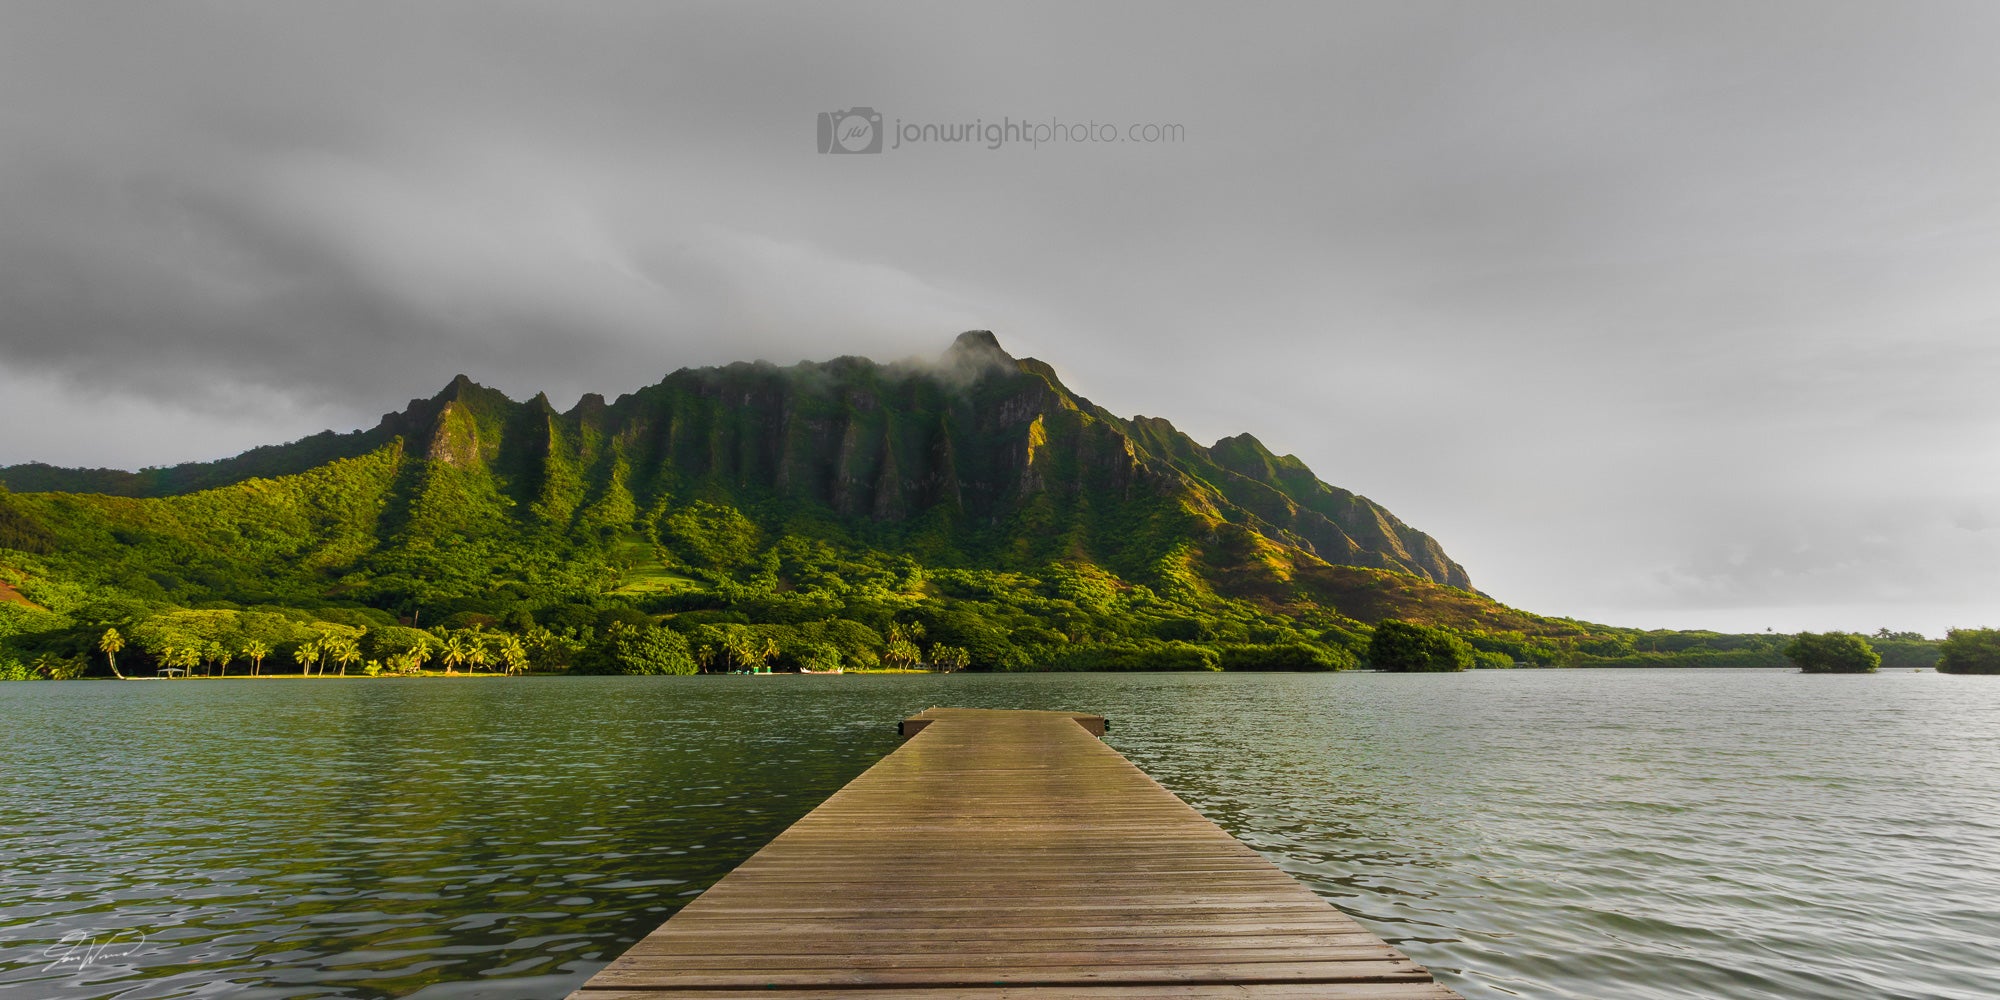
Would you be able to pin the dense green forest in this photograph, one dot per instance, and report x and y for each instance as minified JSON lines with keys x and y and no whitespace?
{"x":970,"y":513}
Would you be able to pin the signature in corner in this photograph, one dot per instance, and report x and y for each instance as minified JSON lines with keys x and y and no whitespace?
{"x":86,"y":948}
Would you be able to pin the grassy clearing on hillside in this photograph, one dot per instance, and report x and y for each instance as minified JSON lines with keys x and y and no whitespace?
{"x":8,"y":595}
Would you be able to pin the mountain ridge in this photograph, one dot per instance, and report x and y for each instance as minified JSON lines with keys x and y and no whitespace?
{"x":975,"y":436}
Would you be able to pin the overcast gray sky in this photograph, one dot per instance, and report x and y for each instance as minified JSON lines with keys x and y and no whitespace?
{"x":1683,"y":314}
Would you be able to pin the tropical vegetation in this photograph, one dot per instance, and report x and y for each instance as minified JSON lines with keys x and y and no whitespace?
{"x":1970,"y":651}
{"x":1832,"y":653}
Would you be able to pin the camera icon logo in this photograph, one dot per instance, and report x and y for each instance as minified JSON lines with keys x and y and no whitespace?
{"x":856,"y":130}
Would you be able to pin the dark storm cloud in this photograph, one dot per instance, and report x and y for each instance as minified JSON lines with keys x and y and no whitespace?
{"x":342,"y":208}
{"x":1644,"y":311}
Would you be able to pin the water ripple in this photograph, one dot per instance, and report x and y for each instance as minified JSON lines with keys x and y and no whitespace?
{"x":1651,"y":835}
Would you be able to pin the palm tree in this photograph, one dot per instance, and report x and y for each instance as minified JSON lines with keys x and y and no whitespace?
{"x":307,"y":652}
{"x":346,"y":651}
{"x":475,"y":653}
{"x":255,"y":651}
{"x":738,"y":649}
{"x":513,"y":654}
{"x":455,"y":651}
{"x":218,"y":658}
{"x":417,"y":655}
{"x":769,"y":652}
{"x":411,"y":660}
{"x":111,"y":643}
{"x":902,"y":653}
{"x":704,"y":656}
{"x":61,"y":668}
{"x":949,"y":658}
{"x":185,"y":658}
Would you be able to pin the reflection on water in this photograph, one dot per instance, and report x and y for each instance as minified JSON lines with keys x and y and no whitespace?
{"x":391,"y":838}
{"x":1542,"y":834}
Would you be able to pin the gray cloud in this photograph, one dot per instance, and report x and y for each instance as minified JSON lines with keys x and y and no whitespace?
{"x":1644,"y":312}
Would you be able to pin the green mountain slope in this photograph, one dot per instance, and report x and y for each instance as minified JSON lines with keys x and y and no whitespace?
{"x":981,"y":445}
{"x":977,"y":482}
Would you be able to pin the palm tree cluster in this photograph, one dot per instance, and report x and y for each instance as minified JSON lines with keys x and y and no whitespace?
{"x":472,"y":649}
{"x":477,"y":649}
{"x":738,"y":651}
{"x":315,"y":655}
{"x":902,"y":651}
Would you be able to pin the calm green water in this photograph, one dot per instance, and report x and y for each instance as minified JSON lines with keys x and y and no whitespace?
{"x":1573,"y":834}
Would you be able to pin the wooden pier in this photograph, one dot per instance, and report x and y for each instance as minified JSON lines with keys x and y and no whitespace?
{"x":1003,"y":855}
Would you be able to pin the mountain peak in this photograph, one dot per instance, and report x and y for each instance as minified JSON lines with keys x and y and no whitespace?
{"x":978,"y":342}
{"x":1246,"y":441}
{"x":974,"y":355}
{"x":461,"y":389}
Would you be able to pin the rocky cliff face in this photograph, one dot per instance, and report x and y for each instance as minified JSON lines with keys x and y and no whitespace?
{"x":977,"y":451}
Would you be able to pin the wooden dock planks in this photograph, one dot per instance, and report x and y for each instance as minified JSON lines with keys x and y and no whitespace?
{"x":1009,"y":855}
